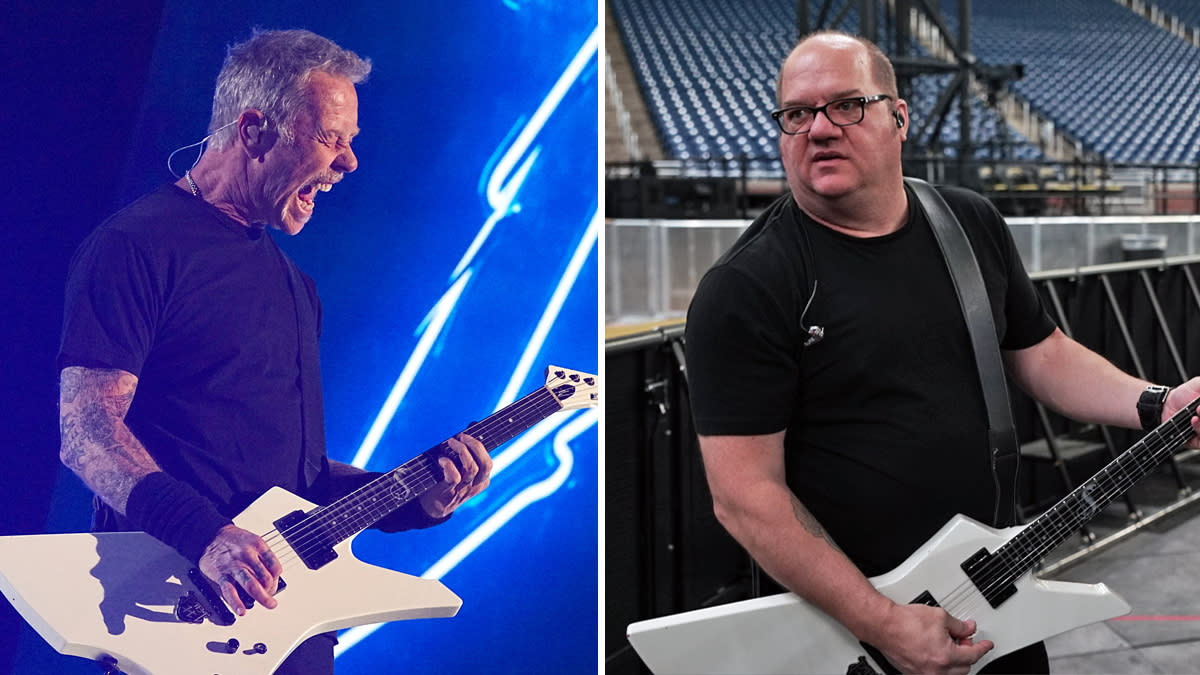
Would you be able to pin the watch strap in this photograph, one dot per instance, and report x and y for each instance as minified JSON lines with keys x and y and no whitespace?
{"x":1150,"y":406}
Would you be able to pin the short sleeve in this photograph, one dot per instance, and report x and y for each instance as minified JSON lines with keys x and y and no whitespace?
{"x":741,"y":356}
{"x":111,"y":305}
{"x":1028,"y":320}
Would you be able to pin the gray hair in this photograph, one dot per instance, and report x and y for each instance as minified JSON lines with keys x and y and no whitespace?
{"x":269,"y":72}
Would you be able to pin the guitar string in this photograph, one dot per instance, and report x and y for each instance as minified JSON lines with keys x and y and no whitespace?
{"x":1009,"y":563}
{"x":419,"y":475}
{"x":325,"y":527}
{"x":999,"y":575}
{"x":315,"y":528}
{"x":310,"y":532}
{"x":1005,"y":569}
{"x":1013,"y":560}
{"x":420,"y":478}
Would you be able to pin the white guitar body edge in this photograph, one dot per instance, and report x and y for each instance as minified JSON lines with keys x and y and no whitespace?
{"x":113,"y":594}
{"x":783,"y":634}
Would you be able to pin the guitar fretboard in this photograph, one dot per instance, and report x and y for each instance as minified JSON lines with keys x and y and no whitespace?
{"x":1046,"y":532}
{"x":370,"y":503}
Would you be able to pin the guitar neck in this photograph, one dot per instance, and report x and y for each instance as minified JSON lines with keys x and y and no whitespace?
{"x":1053,"y":527}
{"x":364,"y":507}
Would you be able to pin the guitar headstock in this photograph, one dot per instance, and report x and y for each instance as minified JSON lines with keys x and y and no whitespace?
{"x":572,"y":388}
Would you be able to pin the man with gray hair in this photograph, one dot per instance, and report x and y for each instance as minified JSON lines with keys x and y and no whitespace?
{"x":189,"y":373}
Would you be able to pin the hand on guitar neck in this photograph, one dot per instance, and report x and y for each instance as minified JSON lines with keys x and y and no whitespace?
{"x":463,"y":477}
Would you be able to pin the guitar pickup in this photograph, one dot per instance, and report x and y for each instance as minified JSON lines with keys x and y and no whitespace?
{"x":995,"y":590}
{"x":316,"y":549}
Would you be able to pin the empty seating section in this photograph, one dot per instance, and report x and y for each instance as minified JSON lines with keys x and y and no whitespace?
{"x":1187,"y":11}
{"x":988,"y":131}
{"x":706,"y":69}
{"x":1124,"y":87}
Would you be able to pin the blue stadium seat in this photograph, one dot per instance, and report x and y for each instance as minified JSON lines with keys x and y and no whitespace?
{"x":707,"y":68}
{"x":1187,"y":11}
{"x":1122,"y":86}
{"x":1119,"y":84}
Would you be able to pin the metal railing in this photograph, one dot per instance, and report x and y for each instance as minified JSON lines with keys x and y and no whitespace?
{"x":668,"y":188}
{"x":1142,"y":315}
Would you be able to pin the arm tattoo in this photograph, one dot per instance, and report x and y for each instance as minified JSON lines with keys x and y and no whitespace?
{"x":808,"y":520}
{"x":96,"y":424}
{"x":69,"y":385}
{"x":96,"y":444}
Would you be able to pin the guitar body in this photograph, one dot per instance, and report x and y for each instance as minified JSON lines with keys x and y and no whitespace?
{"x":113,"y":594}
{"x":783,"y":634}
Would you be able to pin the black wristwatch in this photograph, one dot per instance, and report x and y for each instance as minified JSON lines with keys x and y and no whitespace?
{"x":1150,"y":406}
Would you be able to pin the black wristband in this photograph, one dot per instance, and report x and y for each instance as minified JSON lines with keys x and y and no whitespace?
{"x":174,"y":513}
{"x":1150,"y":406}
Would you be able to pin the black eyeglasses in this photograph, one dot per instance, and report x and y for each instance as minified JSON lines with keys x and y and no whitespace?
{"x":843,"y":112}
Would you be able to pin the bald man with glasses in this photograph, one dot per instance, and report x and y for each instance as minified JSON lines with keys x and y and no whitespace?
{"x":833,"y":383}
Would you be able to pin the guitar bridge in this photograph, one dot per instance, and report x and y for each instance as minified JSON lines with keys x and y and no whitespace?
{"x":192,"y":608}
{"x":189,"y":609}
{"x":862,"y":667}
{"x":203,"y":604}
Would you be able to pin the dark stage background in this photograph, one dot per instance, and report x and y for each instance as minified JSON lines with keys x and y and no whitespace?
{"x":454,"y":265}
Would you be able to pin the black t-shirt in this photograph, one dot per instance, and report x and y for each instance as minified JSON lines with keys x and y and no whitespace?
{"x":203,"y":311}
{"x":886,"y":424}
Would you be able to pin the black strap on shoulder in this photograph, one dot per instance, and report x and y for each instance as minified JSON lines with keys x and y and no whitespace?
{"x":977,"y":311}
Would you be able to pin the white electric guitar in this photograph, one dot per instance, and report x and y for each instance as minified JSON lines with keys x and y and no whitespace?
{"x":134,"y":604}
{"x":970,"y":570}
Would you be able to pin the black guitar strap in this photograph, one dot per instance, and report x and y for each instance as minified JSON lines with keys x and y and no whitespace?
{"x":977,"y":311}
